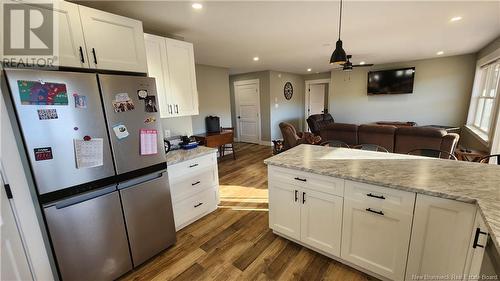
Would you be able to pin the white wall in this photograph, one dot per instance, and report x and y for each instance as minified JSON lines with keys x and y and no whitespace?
{"x":213,"y":96}
{"x":440,"y":96}
{"x":283,"y":110}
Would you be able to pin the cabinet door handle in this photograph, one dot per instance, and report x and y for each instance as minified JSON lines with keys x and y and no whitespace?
{"x":95,"y":57}
{"x":193,"y":184}
{"x":476,"y":238}
{"x":82,"y":59}
{"x":198,"y":205}
{"x":303,"y":197}
{"x":375,"y":212}
{"x":192,"y":166}
{"x":375,"y":196}
{"x":296,"y":195}
{"x":169,"y":109}
{"x":299,"y":179}
{"x":177,"y":109}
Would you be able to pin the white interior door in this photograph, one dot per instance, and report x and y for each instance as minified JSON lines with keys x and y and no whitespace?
{"x":14,"y":263}
{"x":316,"y":99}
{"x":248,"y":112}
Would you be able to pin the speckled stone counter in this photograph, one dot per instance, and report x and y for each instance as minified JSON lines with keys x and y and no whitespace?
{"x":180,"y":155}
{"x":457,"y":180}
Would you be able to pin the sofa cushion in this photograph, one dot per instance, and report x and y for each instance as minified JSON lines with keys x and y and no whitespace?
{"x":382,"y":135}
{"x":410,"y":138}
{"x":347,"y":133}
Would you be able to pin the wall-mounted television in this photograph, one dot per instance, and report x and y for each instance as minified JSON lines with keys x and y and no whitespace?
{"x":392,"y":81}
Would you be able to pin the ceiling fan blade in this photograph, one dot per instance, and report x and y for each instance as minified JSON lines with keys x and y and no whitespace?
{"x":362,"y":65}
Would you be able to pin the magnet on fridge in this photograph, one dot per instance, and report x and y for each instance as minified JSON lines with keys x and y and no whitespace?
{"x":121,"y":131}
{"x":80,"y":101}
{"x":142,"y":94}
{"x":123,"y":103}
{"x":47,"y":114}
{"x":87,"y":138}
{"x":75,"y":128}
{"x":149,"y":120}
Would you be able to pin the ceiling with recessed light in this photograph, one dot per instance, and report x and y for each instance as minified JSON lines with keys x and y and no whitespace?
{"x":296,"y":36}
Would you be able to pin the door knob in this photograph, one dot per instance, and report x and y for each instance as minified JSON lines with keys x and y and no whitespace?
{"x":239,"y":117}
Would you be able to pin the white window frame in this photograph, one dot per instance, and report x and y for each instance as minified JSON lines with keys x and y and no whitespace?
{"x":485,"y":136}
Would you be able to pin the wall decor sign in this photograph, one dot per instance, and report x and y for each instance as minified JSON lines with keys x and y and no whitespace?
{"x":40,"y":93}
{"x":123,"y":103}
{"x":43,"y":153}
{"x":288,"y":90}
{"x":47,"y":114}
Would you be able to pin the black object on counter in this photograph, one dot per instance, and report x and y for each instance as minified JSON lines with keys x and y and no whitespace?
{"x":213,"y":124}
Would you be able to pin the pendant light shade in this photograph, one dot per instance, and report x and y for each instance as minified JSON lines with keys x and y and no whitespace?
{"x":339,"y":55}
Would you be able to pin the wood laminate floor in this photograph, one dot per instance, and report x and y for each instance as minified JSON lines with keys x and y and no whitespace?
{"x":235,"y":242}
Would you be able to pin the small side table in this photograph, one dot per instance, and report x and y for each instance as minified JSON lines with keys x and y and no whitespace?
{"x":471,"y":155}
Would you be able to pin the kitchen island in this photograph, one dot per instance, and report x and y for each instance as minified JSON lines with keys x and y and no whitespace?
{"x":395,"y":216}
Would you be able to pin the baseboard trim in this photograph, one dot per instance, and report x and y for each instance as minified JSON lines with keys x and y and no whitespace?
{"x":267,"y":143}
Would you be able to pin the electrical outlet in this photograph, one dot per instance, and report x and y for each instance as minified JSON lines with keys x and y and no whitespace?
{"x":166,"y":133}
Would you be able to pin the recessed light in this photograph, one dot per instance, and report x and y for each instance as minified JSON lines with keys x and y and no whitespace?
{"x":440,"y":53}
{"x":362,"y":62}
{"x":455,"y":18}
{"x":309,"y":70}
{"x":255,"y":58}
{"x":197,"y":6}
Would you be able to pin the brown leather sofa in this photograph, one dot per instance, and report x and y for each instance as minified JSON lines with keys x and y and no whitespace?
{"x":317,"y":122}
{"x":394,"y":139}
{"x":347,"y":133}
{"x":382,"y":135}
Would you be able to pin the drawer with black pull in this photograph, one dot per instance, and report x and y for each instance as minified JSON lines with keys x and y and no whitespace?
{"x":312,"y":181}
{"x":380,"y":197}
{"x":191,"y":166}
{"x":194,"y":207}
{"x":192,"y":184}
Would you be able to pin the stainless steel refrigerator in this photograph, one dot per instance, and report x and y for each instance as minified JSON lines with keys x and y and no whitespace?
{"x":95,"y":147}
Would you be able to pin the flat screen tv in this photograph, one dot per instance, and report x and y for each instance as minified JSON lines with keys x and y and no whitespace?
{"x":390,"y":82}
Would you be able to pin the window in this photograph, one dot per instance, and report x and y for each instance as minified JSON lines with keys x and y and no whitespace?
{"x":484,"y":103}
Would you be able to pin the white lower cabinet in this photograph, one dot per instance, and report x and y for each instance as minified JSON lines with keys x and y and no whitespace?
{"x":376,"y":232}
{"x":440,"y":238}
{"x":304,"y":214}
{"x":194,"y":186}
{"x":321,"y":221}
{"x":389,"y":233}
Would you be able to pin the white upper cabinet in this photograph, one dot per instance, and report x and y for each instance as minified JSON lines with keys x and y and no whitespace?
{"x":440,"y":237}
{"x":71,"y":50}
{"x":113,"y":42}
{"x":158,"y":69}
{"x":171,"y":63}
{"x":180,"y":57}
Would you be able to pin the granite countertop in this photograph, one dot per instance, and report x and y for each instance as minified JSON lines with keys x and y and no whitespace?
{"x":462,"y":181}
{"x":180,"y":155}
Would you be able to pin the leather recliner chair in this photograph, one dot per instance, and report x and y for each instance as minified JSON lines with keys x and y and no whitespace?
{"x":292,"y":138}
{"x":317,"y":122}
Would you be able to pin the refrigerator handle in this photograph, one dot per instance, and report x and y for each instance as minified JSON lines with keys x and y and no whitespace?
{"x":82,"y":198}
{"x":140,"y":180}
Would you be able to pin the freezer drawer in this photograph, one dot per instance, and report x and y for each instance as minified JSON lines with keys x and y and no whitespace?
{"x":88,"y":235}
{"x":148,"y":215}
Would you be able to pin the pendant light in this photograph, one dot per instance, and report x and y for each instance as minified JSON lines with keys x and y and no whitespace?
{"x":339,"y":55}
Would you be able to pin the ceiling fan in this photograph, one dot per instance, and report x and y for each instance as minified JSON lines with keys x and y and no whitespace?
{"x":348,"y":66}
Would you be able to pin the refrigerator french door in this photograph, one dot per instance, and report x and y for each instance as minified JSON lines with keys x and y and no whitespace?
{"x":140,"y":161}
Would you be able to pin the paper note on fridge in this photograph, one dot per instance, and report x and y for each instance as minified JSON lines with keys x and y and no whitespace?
{"x":88,"y":153}
{"x":149,"y":141}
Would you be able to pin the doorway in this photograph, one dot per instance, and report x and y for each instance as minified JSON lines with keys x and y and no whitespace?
{"x":316,"y":98}
{"x":247,"y":101}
